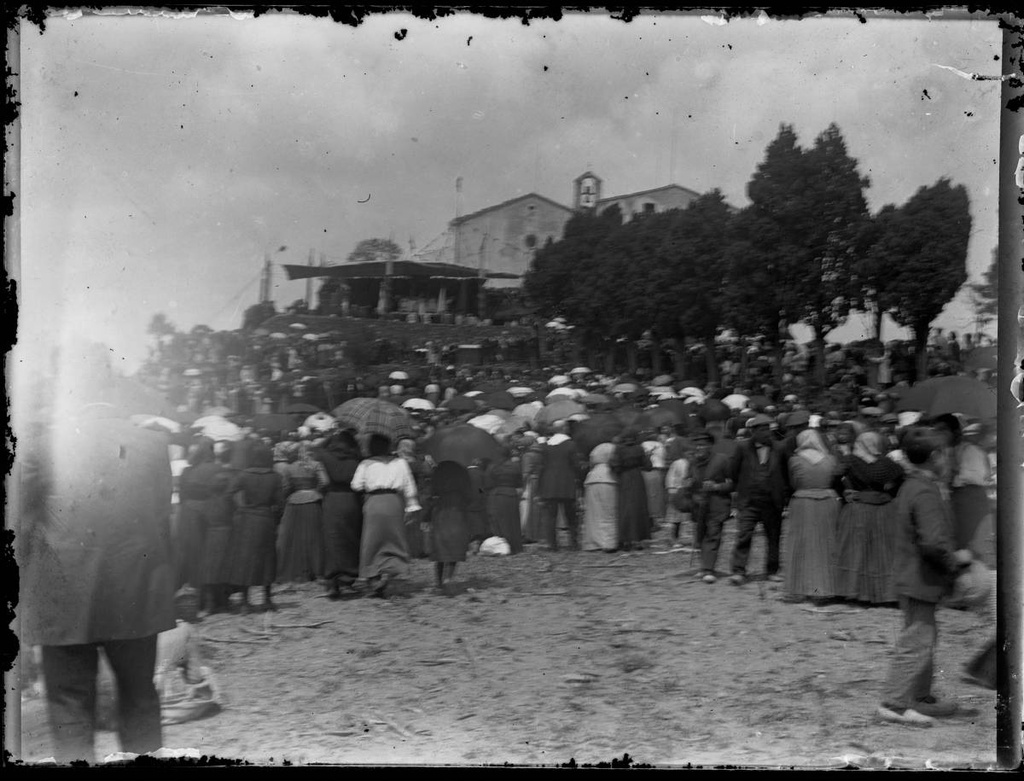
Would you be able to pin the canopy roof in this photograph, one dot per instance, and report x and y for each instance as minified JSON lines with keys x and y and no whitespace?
{"x":399,"y":269}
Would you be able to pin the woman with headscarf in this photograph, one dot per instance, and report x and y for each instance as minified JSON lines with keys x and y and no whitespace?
{"x":259,"y":497}
{"x":813,"y":513}
{"x":504,"y":480}
{"x":448,"y":524}
{"x":342,"y":513}
{"x":628,"y":463}
{"x":654,"y":478}
{"x":600,"y":499}
{"x":301,"y":540}
{"x":204,"y":485}
{"x":389,"y":493}
{"x":866,"y":539}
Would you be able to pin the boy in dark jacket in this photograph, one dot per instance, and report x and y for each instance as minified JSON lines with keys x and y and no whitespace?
{"x":925,"y":567}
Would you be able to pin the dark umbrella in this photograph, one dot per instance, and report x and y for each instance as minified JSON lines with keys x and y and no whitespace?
{"x":375,"y":416}
{"x":461,"y":404}
{"x":944,"y":395}
{"x":301,"y":408}
{"x":590,"y":433}
{"x":500,"y":400}
{"x":462,"y":443}
{"x":658,"y":417}
{"x":982,"y":358}
{"x":760,"y":403}
{"x":628,"y":416}
{"x":714,"y":409}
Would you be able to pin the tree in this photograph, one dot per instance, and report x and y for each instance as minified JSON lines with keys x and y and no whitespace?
{"x":257,"y":314}
{"x":985,"y":294}
{"x":925,"y":249}
{"x":871,"y":274}
{"x":370,"y":250}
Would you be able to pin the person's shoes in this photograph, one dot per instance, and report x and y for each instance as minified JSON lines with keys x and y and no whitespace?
{"x":737,"y":579}
{"x":709,"y":578}
{"x":904,"y":716}
{"x":936,"y":709}
{"x":774,"y":578}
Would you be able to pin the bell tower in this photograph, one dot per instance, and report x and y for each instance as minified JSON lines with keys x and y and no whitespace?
{"x":586,"y":191}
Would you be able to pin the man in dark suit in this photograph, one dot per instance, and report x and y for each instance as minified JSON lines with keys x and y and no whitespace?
{"x":559,"y":485}
{"x":761,"y":496}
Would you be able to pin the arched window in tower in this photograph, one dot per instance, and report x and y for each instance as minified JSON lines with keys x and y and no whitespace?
{"x":530,"y":241}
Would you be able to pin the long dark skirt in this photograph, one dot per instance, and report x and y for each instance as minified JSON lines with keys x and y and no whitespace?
{"x":254,"y":544}
{"x":300,"y":543}
{"x":865,"y":545}
{"x":503,"y":509}
{"x":634,"y":520}
{"x":970,"y":506}
{"x":218,"y":552}
{"x":191,"y":540}
{"x":533,"y":527}
{"x":450,"y":533}
{"x":382,"y":549}
{"x":343,"y":527}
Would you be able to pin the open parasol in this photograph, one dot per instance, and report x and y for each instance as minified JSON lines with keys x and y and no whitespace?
{"x":420,"y":405}
{"x":736,"y":401}
{"x":942,"y":395}
{"x":561,"y":409}
{"x":597,"y":429}
{"x":500,"y":400}
{"x":462,"y":444}
{"x":375,"y":416}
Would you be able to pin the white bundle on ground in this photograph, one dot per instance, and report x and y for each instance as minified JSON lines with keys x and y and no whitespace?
{"x":187,"y":689}
{"x":495,"y":546}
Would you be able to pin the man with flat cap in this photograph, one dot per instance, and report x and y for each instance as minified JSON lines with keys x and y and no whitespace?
{"x":761,"y":495}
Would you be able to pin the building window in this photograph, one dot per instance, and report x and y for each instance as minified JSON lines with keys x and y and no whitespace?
{"x":531,"y":241}
{"x":648,"y":208}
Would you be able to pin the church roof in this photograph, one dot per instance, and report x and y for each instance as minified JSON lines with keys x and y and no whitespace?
{"x":611,"y":198}
{"x":503,"y":204}
{"x":400,"y":268}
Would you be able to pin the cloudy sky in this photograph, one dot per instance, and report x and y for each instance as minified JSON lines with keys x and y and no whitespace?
{"x":162,"y":157}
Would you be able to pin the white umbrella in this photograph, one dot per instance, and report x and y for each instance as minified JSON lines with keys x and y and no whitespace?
{"x":580,"y":370}
{"x":563,"y":393}
{"x":398,"y":376}
{"x":310,"y":337}
{"x":492,"y":424}
{"x":556,"y":326}
{"x":735,"y":401}
{"x":218,"y":429}
{"x":528,"y":411}
{"x":418,"y":404}
{"x":192,"y":373}
{"x":155,"y":421}
{"x":472,"y":394}
{"x":519,"y":391}
{"x":559,"y":379}
{"x":662,"y":392}
{"x":278,"y":335}
{"x":319,"y":421}
{"x":300,"y":326}
{"x":691,"y":391}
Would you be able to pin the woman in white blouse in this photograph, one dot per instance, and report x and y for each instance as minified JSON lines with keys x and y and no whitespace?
{"x":389,"y":492}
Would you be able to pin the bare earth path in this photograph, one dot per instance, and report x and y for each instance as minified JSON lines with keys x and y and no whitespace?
{"x":540,"y":658}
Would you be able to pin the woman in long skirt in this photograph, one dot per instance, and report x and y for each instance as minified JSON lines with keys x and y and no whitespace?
{"x":300,"y":543}
{"x":505,"y":480}
{"x":628,"y":464}
{"x":654,"y":478}
{"x":218,"y":547}
{"x":449,"y":523}
{"x":532,"y":522}
{"x":389,"y":492}
{"x":259,"y":496}
{"x":342,"y":513}
{"x":601,"y":500}
{"x":677,"y":479}
{"x":813,"y":514}
{"x":866,"y":538}
{"x":421,"y":474}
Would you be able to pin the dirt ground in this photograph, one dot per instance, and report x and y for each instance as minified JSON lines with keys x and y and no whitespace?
{"x":543,"y":658}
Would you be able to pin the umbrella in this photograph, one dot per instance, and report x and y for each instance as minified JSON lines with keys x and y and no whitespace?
{"x":301,"y":408}
{"x":375,"y":416}
{"x":759,"y":403}
{"x":156,"y":422}
{"x":273,"y":421}
{"x":319,"y":421}
{"x":662,"y":379}
{"x":278,"y":335}
{"x":659,"y":416}
{"x":473,"y":394}
{"x":559,"y":409}
{"x":662,"y":392}
{"x":628,"y":416}
{"x":298,"y":326}
{"x":528,"y":411}
{"x":218,"y":429}
{"x":500,"y":400}
{"x":559,"y":380}
{"x":462,"y":444}
{"x":624,"y":387}
{"x":398,"y":376}
{"x":461,"y":404}
{"x":694,"y":393}
{"x":492,"y":424}
{"x":595,"y":399}
{"x":519,"y":391}
{"x":261,"y":332}
{"x":418,"y":404}
{"x":942,"y":395}
{"x":219,"y":412}
{"x":714,"y":409}
{"x":310,"y":337}
{"x":736,"y":401}
{"x":563,"y":393}
{"x":981,"y":358}
{"x":192,"y":373}
{"x":597,"y":429}
{"x":581,"y":370}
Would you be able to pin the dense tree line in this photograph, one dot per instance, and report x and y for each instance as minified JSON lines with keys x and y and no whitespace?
{"x":805,"y":250}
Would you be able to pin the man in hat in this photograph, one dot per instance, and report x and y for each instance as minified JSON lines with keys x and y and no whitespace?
{"x":558,"y":484}
{"x":761,"y":495}
{"x":711,"y":484}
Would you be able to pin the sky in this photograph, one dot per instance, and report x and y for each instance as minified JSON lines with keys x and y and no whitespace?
{"x":161,"y":158}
